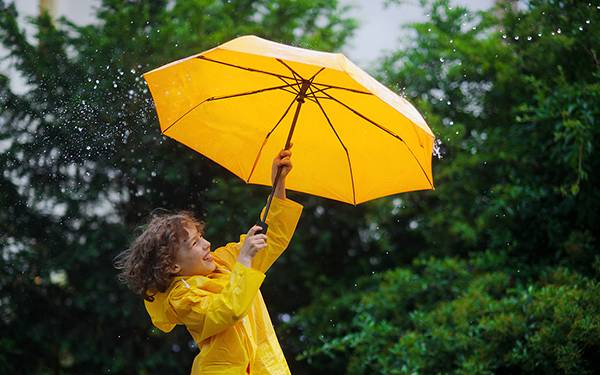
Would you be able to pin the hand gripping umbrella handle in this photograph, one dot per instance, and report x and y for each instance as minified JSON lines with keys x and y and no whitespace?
{"x":263,"y":225}
{"x":262,"y":221}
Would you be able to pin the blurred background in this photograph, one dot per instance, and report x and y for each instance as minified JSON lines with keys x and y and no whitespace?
{"x":494,"y":271}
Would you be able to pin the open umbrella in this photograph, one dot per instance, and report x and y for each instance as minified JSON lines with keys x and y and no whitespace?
{"x":238,"y":103}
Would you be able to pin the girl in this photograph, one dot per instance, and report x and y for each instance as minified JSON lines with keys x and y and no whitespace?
{"x":214,"y":294}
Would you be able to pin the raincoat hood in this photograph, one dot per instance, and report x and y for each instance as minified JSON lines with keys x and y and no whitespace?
{"x":160,"y":311}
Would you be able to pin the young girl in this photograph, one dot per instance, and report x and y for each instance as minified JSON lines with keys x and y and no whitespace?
{"x":214,"y":294}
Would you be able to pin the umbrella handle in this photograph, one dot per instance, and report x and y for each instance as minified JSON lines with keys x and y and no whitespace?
{"x":260,"y":222}
{"x":263,"y":225}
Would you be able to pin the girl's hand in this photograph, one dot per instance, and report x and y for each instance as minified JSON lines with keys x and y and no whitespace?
{"x":252,"y":244}
{"x":283,"y":159}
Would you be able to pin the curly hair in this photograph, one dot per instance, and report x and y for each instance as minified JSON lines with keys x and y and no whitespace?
{"x":144,"y":266}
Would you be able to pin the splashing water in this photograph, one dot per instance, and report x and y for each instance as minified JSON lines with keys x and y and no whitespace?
{"x":437,"y":150}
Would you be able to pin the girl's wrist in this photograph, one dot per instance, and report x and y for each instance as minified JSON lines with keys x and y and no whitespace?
{"x":280,"y":191}
{"x":246,"y":261}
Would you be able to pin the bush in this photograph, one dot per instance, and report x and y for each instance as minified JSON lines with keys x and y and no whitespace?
{"x":475,"y":316}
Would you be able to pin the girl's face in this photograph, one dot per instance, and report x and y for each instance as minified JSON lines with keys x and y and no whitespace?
{"x":194,"y":257}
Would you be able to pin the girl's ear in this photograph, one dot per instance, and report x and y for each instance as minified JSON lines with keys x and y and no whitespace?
{"x":175,"y":269}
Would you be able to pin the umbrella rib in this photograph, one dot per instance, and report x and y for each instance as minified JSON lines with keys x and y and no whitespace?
{"x":245,"y":68}
{"x":327,"y":86}
{"x":267,"y":137}
{"x":382,"y":128}
{"x":213,"y":98}
{"x":316,"y":97}
{"x":340,"y":140}
{"x":311,"y":79}
{"x":291,"y":70}
{"x":291,"y":92}
{"x":320,"y":90}
{"x":283,"y":87}
{"x":287,"y":83}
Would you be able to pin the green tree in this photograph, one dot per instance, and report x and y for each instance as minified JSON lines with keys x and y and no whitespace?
{"x":84,"y":163}
{"x":512,"y":95}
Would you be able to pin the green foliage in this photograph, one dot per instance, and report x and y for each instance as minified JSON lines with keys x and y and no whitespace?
{"x":514,"y":104}
{"x":500,"y":262}
{"x":456,"y":316}
{"x":84,"y":163}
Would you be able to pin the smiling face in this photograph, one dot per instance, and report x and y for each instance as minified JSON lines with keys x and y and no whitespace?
{"x":194,"y":256}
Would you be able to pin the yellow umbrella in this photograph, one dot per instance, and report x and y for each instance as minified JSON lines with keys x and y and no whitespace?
{"x":354,"y":139}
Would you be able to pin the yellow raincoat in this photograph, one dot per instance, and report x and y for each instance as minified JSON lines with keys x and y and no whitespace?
{"x":224,"y":311}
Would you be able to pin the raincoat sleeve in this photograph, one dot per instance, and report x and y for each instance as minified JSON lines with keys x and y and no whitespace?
{"x":282,"y":219}
{"x":211,"y":313}
{"x":228,"y":254}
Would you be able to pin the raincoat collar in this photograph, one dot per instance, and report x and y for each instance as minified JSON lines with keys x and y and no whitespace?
{"x":160,"y":310}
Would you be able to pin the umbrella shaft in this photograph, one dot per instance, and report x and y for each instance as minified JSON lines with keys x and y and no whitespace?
{"x":300,"y":100}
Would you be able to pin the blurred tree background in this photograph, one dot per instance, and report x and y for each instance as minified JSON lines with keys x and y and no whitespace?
{"x":496,"y":271}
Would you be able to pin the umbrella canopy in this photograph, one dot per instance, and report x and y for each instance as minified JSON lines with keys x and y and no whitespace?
{"x":243,"y":101}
